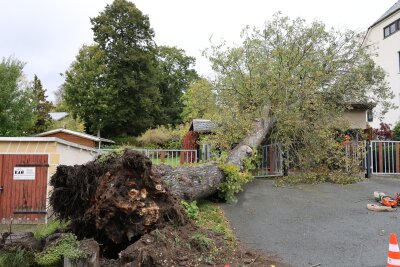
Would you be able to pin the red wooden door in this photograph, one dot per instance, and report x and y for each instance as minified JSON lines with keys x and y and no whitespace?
{"x":23,"y":182}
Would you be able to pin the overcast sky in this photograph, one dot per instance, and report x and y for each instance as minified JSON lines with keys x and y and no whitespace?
{"x":47,"y":34}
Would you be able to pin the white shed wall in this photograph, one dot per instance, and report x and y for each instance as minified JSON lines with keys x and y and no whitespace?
{"x":71,"y":155}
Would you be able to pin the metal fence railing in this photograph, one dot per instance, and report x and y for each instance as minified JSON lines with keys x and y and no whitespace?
{"x":172,"y":157}
{"x":385,"y":157}
{"x":271,"y":161}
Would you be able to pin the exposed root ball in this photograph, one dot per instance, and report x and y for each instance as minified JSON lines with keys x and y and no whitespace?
{"x":116,"y":201}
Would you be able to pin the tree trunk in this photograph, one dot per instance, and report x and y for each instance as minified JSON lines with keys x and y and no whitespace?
{"x":199,"y":182}
{"x":193,"y":182}
{"x":253,"y":139}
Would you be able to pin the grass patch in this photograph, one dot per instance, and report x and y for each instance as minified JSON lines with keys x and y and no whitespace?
{"x":215,"y":239}
{"x":202,"y":242}
{"x":212,"y":218}
{"x":173,"y":162}
{"x":45,"y":230}
{"x":17,"y":228}
{"x":206,"y":245}
{"x":17,"y":257}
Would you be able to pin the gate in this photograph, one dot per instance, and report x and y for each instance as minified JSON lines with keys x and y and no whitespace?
{"x":23,"y":188}
{"x":271,"y":161}
{"x":356,"y":153}
{"x":385,"y":157}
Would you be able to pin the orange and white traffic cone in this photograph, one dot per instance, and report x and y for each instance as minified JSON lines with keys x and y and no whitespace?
{"x":394,"y":252}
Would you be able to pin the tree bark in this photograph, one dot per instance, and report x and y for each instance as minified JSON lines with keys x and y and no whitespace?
{"x":253,"y":139}
{"x":193,"y":182}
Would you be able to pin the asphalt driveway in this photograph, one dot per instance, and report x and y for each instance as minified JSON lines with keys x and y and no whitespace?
{"x":324,"y":224}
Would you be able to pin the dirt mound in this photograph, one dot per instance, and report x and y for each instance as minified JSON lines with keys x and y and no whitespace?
{"x":115,"y":201}
{"x":188,"y":245}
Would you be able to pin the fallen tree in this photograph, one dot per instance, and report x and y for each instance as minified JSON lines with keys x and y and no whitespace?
{"x":120,"y":199}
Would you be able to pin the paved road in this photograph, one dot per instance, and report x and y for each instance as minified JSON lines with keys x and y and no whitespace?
{"x":323,"y":224}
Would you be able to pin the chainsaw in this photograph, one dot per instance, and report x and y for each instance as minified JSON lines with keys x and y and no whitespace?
{"x":387,"y":200}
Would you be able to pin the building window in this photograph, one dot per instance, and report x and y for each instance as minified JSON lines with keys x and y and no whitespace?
{"x":391,"y":28}
{"x":387,"y":31}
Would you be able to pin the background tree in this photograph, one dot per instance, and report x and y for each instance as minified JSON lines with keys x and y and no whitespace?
{"x":125,"y":84}
{"x":175,"y":73}
{"x":199,"y":101}
{"x":396,"y":131}
{"x":305,"y":73}
{"x":125,"y":36}
{"x":16,"y":115}
{"x":41,"y":107}
{"x":60,"y":104}
{"x":86,"y":90}
{"x":70,"y":123}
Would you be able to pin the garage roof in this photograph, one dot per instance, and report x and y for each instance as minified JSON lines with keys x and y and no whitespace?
{"x":83,"y":135}
{"x":45,"y":139}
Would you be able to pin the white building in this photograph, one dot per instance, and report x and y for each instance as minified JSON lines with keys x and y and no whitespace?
{"x":384,"y":36}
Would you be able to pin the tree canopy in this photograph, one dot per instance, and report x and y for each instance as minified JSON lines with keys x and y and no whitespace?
{"x":41,"y":106}
{"x":199,"y":101}
{"x":125,"y":36}
{"x":175,"y":74}
{"x":86,"y":91}
{"x":306,"y":73}
{"x":124,"y":83}
{"x":16,"y":116}
{"x":396,"y":131}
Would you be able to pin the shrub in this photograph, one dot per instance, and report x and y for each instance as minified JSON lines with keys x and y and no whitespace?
{"x":383,"y":132}
{"x":54,"y":254}
{"x":234,"y":180}
{"x":126,"y":141}
{"x":164,"y":137}
{"x":45,"y":230}
{"x":156,"y":138}
{"x":191,"y":209}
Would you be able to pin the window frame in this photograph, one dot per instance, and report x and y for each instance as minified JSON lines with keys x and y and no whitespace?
{"x":398,"y":53}
{"x":387,"y":31}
